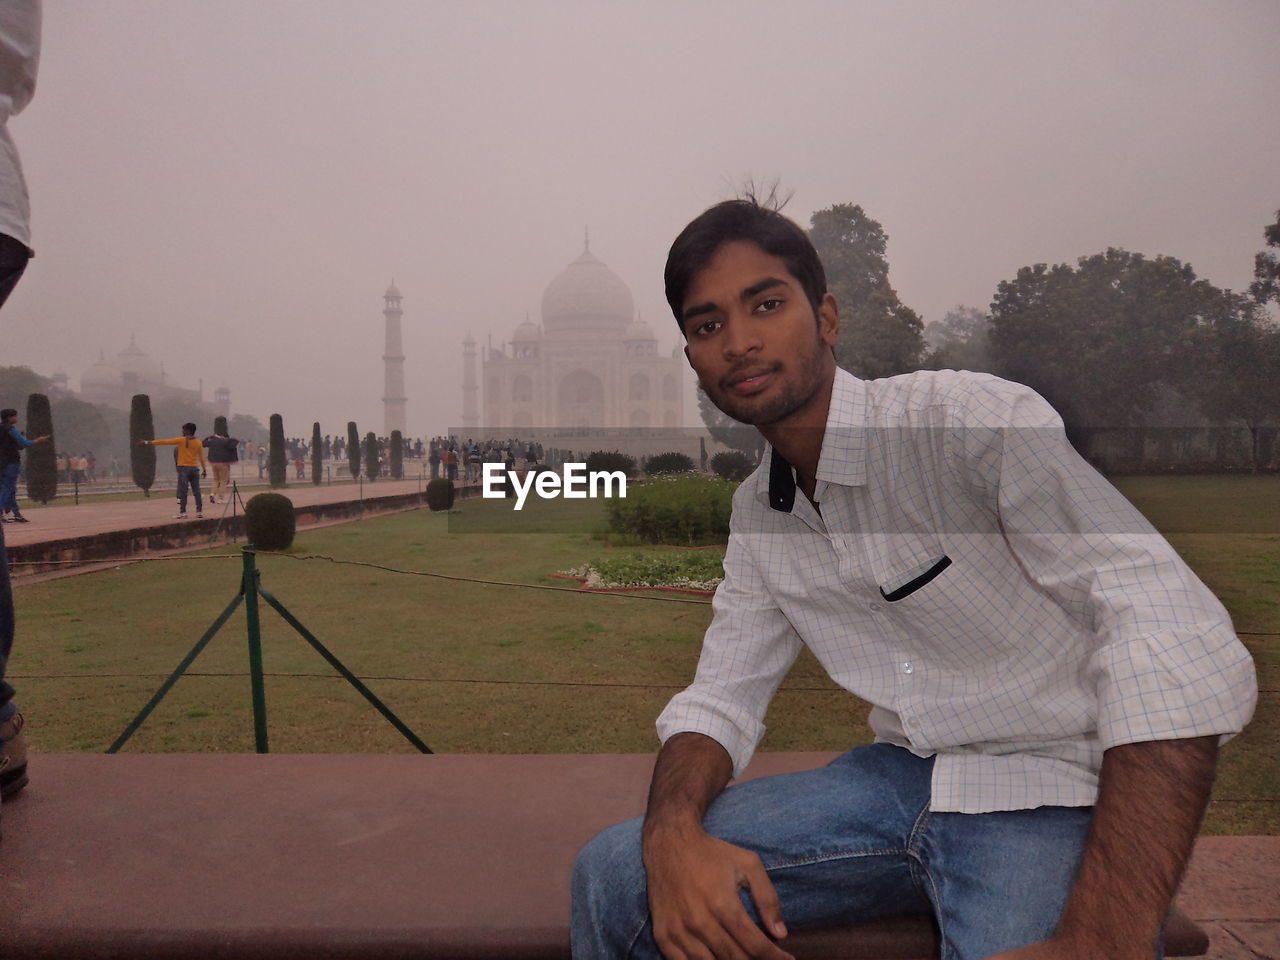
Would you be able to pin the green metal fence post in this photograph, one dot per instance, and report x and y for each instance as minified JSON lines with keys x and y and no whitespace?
{"x":255,"y":651}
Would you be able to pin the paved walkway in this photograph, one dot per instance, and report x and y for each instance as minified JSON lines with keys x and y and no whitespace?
{"x":90,"y":517}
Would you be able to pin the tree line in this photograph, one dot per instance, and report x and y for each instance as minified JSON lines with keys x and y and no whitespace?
{"x":1151,"y":367}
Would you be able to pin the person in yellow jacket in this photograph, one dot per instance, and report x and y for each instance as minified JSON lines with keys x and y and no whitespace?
{"x":191,"y":467}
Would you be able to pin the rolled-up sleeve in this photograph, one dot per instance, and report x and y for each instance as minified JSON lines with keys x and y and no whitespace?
{"x":746,"y":652}
{"x":1166,"y":663}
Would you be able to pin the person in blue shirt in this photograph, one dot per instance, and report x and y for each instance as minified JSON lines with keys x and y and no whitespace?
{"x":12,"y":442}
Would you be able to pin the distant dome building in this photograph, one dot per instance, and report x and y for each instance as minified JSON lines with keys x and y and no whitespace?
{"x":591,"y":364}
{"x":114,"y":383}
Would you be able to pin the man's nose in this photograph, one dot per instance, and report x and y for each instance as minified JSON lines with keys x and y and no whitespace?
{"x":742,"y":336}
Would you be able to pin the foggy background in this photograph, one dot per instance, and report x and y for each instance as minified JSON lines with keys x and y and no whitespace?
{"x":235,"y":183}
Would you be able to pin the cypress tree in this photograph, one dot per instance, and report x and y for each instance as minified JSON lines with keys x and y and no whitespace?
{"x":353,"y":449}
{"x":371,"y":466}
{"x":397,"y":455}
{"x":42,"y":466}
{"x":317,"y":453}
{"x":142,"y":459}
{"x":277,"y":466}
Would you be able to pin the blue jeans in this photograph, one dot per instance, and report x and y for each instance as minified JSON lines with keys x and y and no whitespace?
{"x":856,"y":841}
{"x":9,"y":488}
{"x":189,"y":476}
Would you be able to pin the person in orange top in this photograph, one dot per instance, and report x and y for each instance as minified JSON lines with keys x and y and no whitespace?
{"x":191,"y":467}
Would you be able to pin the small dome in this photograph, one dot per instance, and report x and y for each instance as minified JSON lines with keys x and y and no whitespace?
{"x":587,"y":296}
{"x":132,"y":360}
{"x":639,"y":330}
{"x":101,"y":374}
{"x":526,"y":333}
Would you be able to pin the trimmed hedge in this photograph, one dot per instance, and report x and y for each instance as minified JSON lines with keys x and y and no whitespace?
{"x":372,"y":465}
{"x":269,"y":521}
{"x":42,"y":460}
{"x":733,"y":465}
{"x":397,"y":455}
{"x":440,"y":493}
{"x":672,"y":462}
{"x":317,"y":454}
{"x":142,"y":459}
{"x":277,"y":461}
{"x":686,"y":510}
{"x":610,"y":461}
{"x":353,"y":449}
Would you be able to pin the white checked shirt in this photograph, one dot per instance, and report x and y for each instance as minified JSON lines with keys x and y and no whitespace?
{"x":996,"y":600}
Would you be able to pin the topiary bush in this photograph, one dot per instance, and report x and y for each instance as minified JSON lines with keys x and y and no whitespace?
{"x":269,"y":521}
{"x":142,"y":459}
{"x":353,"y":449}
{"x":277,"y":460}
{"x":688,"y":510}
{"x":317,"y":454}
{"x":397,"y":455}
{"x":672,"y":462}
{"x":611,"y":461}
{"x":372,"y":463}
{"x":42,"y":460}
{"x":440,"y":493}
{"x":733,"y":465}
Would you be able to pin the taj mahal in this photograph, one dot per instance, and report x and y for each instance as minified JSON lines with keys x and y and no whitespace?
{"x":591,"y":366}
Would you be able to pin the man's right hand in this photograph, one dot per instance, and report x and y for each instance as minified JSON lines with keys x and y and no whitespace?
{"x":694,"y":881}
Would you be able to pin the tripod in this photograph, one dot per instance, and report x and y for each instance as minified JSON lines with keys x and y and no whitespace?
{"x":250,"y":590}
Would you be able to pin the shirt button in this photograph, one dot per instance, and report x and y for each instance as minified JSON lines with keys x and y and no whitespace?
{"x":874,"y":605}
{"x":908,"y":667}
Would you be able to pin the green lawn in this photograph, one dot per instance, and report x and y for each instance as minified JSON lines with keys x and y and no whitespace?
{"x":483,"y":668}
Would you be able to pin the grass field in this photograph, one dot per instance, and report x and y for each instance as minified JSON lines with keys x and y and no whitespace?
{"x":475,"y":667}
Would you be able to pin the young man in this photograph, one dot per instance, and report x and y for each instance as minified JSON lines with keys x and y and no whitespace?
{"x":12,"y":442}
{"x":1048,"y":680}
{"x":223,"y":452}
{"x":191,"y":467}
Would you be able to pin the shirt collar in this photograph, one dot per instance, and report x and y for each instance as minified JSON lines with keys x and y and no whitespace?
{"x":844,"y":448}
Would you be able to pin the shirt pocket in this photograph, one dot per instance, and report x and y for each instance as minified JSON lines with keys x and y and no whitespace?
{"x":910,"y":567}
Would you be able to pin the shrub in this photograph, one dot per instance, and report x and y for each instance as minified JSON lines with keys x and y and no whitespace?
{"x":142,"y":459}
{"x":440,"y":493}
{"x":733,"y":465}
{"x":397,"y":455}
{"x":372,"y":465}
{"x":611,"y":461}
{"x":689,"y":510}
{"x":42,"y":460}
{"x":269,"y":521}
{"x":317,"y":453}
{"x":353,"y":449}
{"x":672,"y":462}
{"x":277,"y":461}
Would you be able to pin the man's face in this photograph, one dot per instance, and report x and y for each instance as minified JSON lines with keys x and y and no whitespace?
{"x":11,"y":421}
{"x":752,"y":338}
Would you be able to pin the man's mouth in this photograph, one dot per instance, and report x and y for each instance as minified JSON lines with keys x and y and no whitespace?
{"x":748,"y":382}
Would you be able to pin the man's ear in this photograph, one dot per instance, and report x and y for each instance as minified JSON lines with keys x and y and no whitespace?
{"x":829,"y":320}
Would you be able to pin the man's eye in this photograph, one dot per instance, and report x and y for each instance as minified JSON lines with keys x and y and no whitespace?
{"x":710,"y":326}
{"x":768,"y":306}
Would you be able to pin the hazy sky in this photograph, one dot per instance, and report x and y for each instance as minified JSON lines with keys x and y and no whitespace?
{"x":236,"y":181}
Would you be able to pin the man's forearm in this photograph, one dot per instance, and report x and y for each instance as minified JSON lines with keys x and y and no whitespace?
{"x":691,"y":771}
{"x":1150,"y":801}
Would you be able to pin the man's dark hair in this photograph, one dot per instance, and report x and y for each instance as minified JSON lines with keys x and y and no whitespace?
{"x":189,"y":429}
{"x":750,"y":220}
{"x":8,"y":412}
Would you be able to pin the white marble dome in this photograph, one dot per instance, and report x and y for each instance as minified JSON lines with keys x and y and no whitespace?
{"x":587,"y":297}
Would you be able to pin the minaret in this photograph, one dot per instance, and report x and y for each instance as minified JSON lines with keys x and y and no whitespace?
{"x":470,"y":389}
{"x":393,"y":398}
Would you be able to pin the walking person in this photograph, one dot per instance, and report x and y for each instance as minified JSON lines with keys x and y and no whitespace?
{"x":191,"y":467}
{"x":223,"y":452}
{"x":12,"y":442}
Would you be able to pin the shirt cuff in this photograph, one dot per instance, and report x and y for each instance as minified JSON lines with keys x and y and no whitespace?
{"x":724,"y":723}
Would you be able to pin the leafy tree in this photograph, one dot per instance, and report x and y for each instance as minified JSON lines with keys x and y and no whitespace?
{"x":317,"y":454}
{"x":372,"y":466}
{"x":353,"y":449}
{"x":20,"y":382}
{"x":277,"y":460}
{"x":42,"y":466}
{"x":1266,"y":268}
{"x":82,"y":427}
{"x":397,"y":455}
{"x":879,"y":335}
{"x":1096,"y":339}
{"x":142,"y":458}
{"x":960,"y":340}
